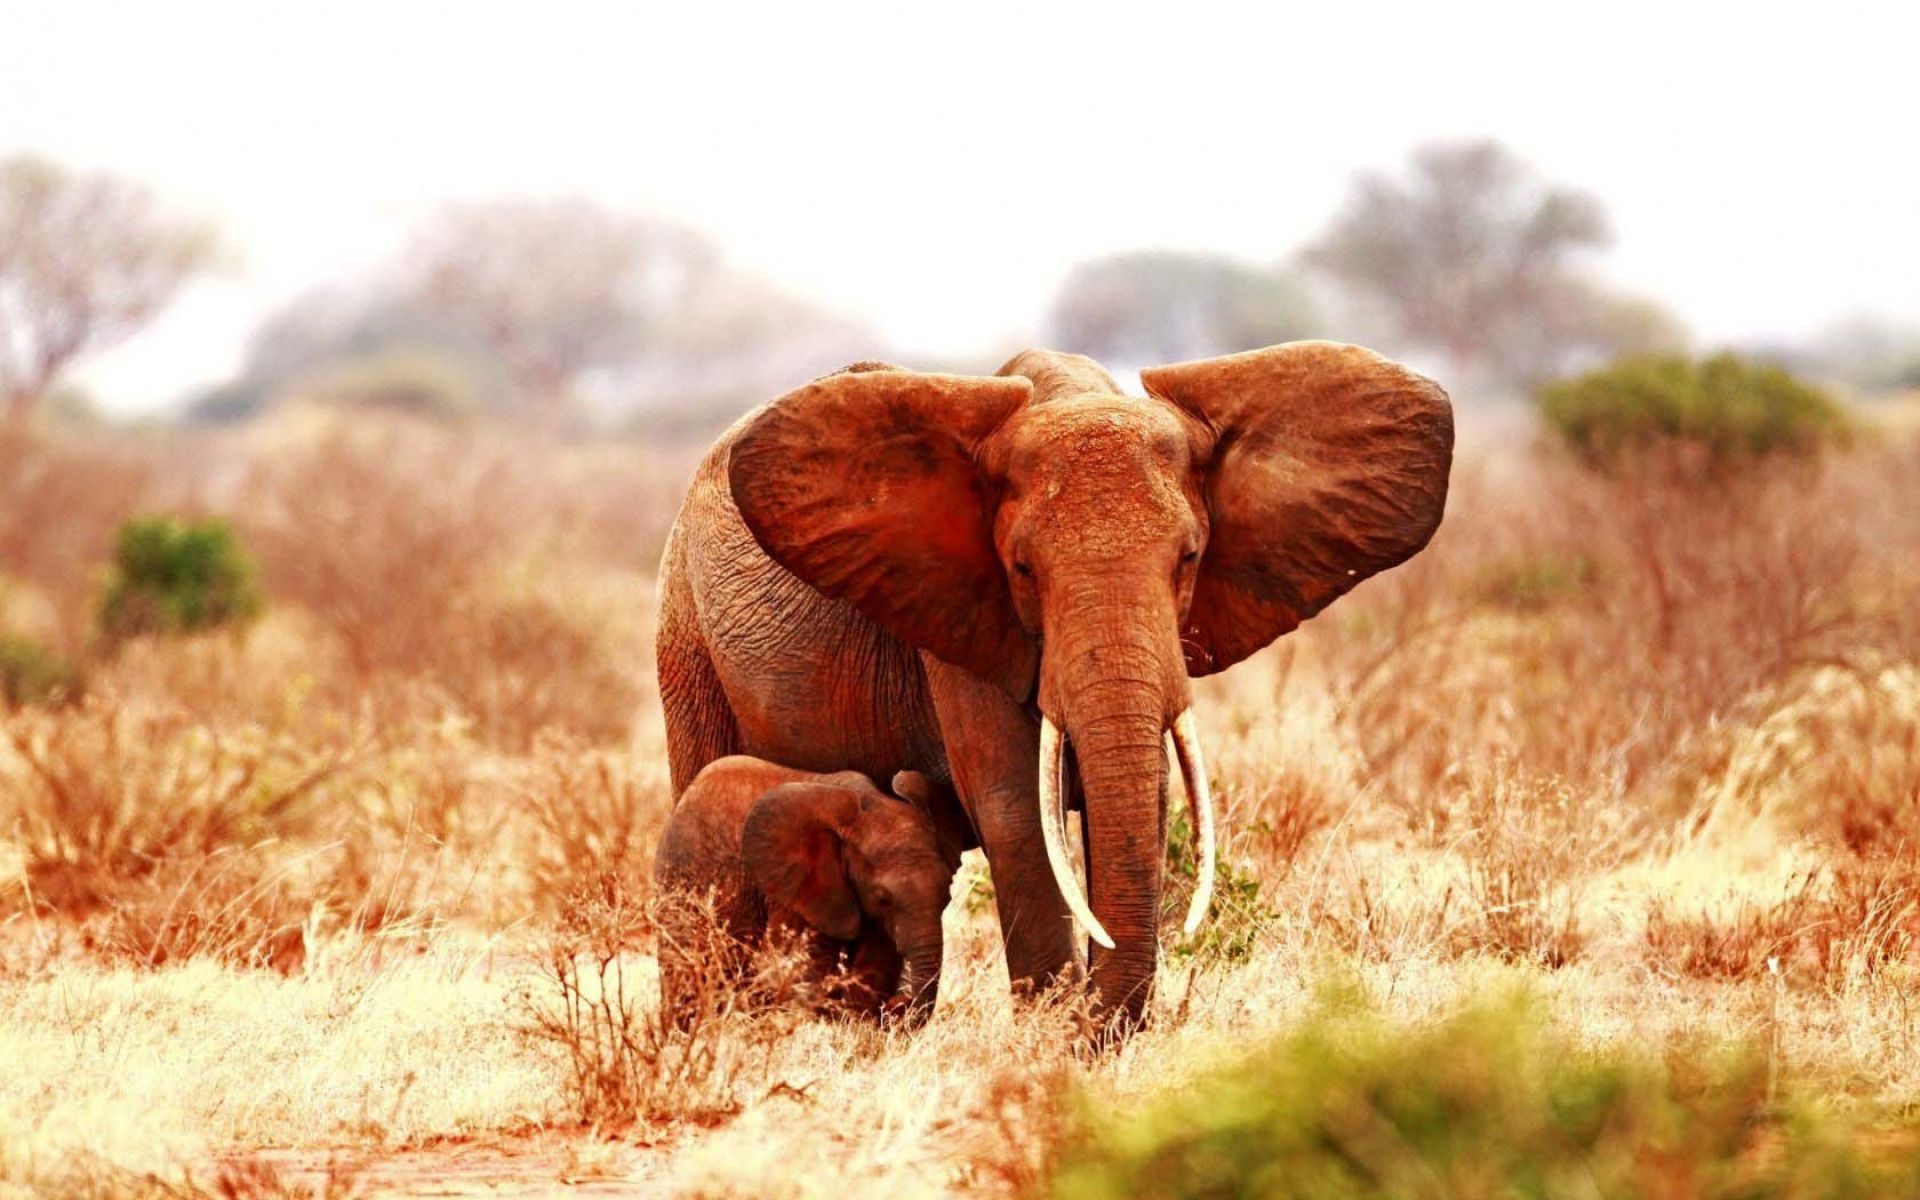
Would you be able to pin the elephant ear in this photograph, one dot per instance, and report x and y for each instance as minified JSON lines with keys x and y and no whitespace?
{"x":941,"y":807}
{"x":865,"y":485}
{"x":791,"y":848}
{"x":1327,"y":464}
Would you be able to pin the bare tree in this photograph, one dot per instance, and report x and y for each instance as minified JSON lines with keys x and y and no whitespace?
{"x":1157,"y":306}
{"x":85,"y":261}
{"x":555,"y":288}
{"x":1472,"y":255}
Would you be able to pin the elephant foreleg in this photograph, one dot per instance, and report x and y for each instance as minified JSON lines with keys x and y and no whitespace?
{"x":993,"y":751}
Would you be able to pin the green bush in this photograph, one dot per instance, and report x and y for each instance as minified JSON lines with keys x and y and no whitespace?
{"x":1489,"y":1103}
{"x":1531,"y":584}
{"x":1731,"y":409}
{"x":32,"y":674}
{"x":1236,"y":917}
{"x":172,"y":576}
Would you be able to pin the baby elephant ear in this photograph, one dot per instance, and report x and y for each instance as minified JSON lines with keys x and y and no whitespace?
{"x":941,"y":806}
{"x":791,"y":848}
{"x":1327,"y":464}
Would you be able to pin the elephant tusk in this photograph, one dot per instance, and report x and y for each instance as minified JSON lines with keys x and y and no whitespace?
{"x":1193,"y":769}
{"x":1053,"y":828}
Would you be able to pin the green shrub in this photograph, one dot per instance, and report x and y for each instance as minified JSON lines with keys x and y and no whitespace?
{"x":32,"y":674}
{"x":172,"y":576}
{"x":1730,"y":409}
{"x":1487,"y":1103}
{"x":1236,"y":917}
{"x":1531,"y":584}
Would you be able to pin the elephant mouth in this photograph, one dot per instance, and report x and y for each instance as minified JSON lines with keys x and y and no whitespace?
{"x":1185,"y":736}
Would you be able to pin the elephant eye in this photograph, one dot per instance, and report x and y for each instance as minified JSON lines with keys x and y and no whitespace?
{"x":882,"y":899}
{"x":1023,"y":570}
{"x":1189,"y":557}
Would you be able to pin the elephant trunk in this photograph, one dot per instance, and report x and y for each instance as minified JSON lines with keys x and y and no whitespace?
{"x":1116,"y":691}
{"x":1122,"y":772}
{"x":920,"y":973}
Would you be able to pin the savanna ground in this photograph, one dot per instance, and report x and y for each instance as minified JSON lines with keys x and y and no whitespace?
{"x":326,"y":906}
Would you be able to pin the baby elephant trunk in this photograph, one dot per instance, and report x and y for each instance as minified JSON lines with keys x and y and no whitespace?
{"x":920,"y":956}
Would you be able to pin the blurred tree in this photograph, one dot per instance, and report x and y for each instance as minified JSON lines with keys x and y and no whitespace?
{"x":1158,"y":306}
{"x":561,"y":310}
{"x":738,"y":342}
{"x":323,"y":327}
{"x":555,"y":288}
{"x":85,"y":261}
{"x":1473,"y":256}
{"x":1872,"y":354}
{"x":363,"y":345}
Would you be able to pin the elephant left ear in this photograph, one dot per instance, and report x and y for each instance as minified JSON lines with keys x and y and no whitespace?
{"x":792,"y":847}
{"x":1326,"y":464}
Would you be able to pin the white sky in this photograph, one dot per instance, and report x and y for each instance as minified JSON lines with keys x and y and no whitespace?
{"x":935,"y":170}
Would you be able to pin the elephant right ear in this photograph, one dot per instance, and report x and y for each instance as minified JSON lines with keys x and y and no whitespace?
{"x":865,"y":485}
{"x":791,"y":848}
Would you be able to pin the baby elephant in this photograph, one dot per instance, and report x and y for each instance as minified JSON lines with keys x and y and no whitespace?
{"x":853,"y":871}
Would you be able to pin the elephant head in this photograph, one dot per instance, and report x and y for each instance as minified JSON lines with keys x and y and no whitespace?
{"x":1089,"y":551}
{"x":838,"y":857}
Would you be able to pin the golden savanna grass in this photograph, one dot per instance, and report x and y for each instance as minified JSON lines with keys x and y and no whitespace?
{"x":342,"y":902}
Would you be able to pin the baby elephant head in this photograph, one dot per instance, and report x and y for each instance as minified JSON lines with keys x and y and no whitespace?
{"x":841,"y":857}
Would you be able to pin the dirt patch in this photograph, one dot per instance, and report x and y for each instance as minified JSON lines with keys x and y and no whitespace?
{"x":543,"y":1163}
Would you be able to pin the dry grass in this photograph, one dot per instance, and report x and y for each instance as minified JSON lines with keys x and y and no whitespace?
{"x":369,"y":876}
{"x":629,"y":1058}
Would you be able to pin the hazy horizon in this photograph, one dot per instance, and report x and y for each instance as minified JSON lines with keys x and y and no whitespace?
{"x":936,"y":177}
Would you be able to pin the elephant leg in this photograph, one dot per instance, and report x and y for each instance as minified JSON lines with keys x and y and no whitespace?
{"x":993,"y":751}
{"x":700,"y":723}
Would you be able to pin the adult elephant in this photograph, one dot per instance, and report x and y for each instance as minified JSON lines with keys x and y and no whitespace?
{"x":971,"y":576}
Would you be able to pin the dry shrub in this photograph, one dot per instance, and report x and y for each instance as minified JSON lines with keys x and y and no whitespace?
{"x":1758,"y":936}
{"x":1834,"y":760}
{"x":1377,"y":920}
{"x":1652,"y":607}
{"x":256,"y":1179}
{"x":437,"y":573}
{"x":1845,"y":927}
{"x":81,"y":1176}
{"x":1280,"y":810}
{"x":1509,"y":883}
{"x":1528,"y":848}
{"x":622,"y":499}
{"x":379,"y":550}
{"x":1846,"y":753}
{"x":597,"y":815}
{"x":60,"y":505}
{"x":107,"y":795}
{"x":238,"y":905}
{"x":172,"y":839}
{"x":522,"y":664}
{"x":626,"y":1057}
{"x":1873,"y":913}
{"x":435,"y":783}
{"x":1013,"y":1132}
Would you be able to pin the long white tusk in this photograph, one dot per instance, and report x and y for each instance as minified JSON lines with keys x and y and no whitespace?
{"x":1193,"y":768}
{"x":1053,"y":828}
